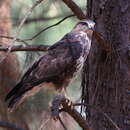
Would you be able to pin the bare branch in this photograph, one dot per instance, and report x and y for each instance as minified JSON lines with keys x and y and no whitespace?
{"x":76,"y":115}
{"x":106,"y":46}
{"x":5,"y":124}
{"x":43,"y":30}
{"x":25,"y":48}
{"x":42,"y":18}
{"x":17,"y":39}
{"x":37,"y":2}
{"x":75,"y":9}
{"x":36,"y":35}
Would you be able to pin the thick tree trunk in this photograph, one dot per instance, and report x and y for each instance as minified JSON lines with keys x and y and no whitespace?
{"x":106,"y":78}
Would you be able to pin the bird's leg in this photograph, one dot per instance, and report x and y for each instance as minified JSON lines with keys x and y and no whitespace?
{"x":68,"y":101}
{"x":56,"y":104}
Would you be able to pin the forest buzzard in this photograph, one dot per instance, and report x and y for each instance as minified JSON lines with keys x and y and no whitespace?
{"x":58,"y":66}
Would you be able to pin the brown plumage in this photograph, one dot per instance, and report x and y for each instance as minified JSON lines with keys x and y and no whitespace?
{"x":58,"y":66}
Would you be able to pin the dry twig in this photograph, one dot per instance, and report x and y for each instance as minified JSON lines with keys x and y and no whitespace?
{"x":43,"y":30}
{"x":75,"y":9}
{"x":29,"y":11}
{"x":37,"y":34}
{"x":17,"y":39}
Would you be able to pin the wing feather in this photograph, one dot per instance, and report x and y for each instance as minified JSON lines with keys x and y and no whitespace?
{"x":59,"y":61}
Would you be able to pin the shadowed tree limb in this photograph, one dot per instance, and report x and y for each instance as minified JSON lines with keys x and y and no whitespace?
{"x":25,"y":48}
{"x":80,"y":15}
{"x":75,"y":9}
{"x":5,"y":124}
{"x":105,"y":46}
{"x":77,"y":12}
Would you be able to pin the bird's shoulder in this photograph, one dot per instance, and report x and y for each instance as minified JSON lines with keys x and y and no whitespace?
{"x":59,"y":57}
{"x":70,"y":46}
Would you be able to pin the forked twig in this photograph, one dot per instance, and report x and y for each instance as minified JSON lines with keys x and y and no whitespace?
{"x":29,"y":11}
{"x":37,"y":34}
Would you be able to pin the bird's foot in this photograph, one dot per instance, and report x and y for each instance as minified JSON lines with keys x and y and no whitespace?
{"x":58,"y":105}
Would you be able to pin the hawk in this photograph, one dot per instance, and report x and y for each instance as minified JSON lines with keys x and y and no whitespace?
{"x":58,"y":66}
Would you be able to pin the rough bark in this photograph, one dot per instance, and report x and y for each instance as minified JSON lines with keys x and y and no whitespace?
{"x":106,"y":82}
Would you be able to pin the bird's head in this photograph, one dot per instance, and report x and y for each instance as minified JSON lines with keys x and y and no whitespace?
{"x":84,"y":25}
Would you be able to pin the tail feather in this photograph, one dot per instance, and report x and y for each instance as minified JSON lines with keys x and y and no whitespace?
{"x":13,"y":91}
{"x":14,"y":102}
{"x":21,"y":91}
{"x":16,"y":96}
{"x":17,"y":99}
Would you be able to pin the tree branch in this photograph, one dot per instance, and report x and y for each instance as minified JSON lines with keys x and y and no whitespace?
{"x":106,"y":46}
{"x":75,"y":9}
{"x":37,"y":34}
{"x":43,"y":30}
{"x":29,"y":11}
{"x":42,"y":18}
{"x":25,"y":48}
{"x":5,"y":124}
{"x":17,"y":39}
{"x":75,"y":114}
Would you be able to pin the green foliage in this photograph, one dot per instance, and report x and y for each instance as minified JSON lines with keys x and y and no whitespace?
{"x":52,"y":11}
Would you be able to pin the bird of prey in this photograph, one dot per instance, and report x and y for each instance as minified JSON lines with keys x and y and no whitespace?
{"x":58,"y":66}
